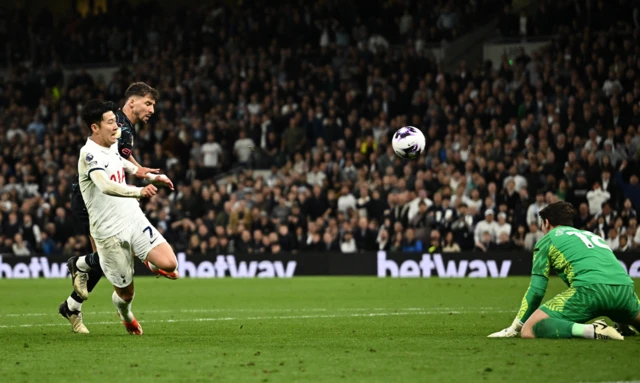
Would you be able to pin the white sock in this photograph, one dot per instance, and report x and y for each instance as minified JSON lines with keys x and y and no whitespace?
{"x":124,"y":308}
{"x":82,"y":265}
{"x":586,"y":331}
{"x":73,"y":304}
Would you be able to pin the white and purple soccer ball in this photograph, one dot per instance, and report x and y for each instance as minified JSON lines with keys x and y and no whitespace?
{"x":408,"y":142}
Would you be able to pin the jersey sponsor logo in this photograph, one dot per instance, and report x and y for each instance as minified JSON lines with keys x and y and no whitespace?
{"x":478,"y":268}
{"x":89,"y":157}
{"x":107,"y":165}
{"x":118,"y":176}
{"x":126,"y":152}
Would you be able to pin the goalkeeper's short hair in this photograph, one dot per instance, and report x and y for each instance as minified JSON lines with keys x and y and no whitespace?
{"x":559,"y":213}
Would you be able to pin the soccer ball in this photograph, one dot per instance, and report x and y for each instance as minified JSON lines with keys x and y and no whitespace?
{"x":408,"y":142}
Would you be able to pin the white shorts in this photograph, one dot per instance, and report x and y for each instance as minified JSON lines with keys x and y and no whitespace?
{"x":117,"y":252}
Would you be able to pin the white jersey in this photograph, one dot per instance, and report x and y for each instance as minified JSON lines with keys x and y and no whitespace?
{"x":108,"y":215}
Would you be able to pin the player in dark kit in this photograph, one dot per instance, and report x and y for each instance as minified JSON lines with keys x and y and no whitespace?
{"x":85,"y":270}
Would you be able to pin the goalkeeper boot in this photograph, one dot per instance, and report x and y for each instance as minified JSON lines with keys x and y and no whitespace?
{"x":604,"y":331}
{"x":74,"y":317}
{"x":78,"y":279}
{"x":625,"y":329}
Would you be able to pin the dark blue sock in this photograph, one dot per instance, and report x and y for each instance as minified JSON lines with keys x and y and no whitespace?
{"x":94,"y":277}
{"x":76,"y":297}
{"x":93,"y":260}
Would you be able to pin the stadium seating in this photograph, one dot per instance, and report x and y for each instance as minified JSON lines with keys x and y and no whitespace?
{"x":303,"y":112}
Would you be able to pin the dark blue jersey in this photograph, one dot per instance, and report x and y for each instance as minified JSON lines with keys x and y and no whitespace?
{"x":127,"y":135}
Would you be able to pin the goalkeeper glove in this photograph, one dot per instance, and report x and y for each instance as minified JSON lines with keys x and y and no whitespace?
{"x":509,"y":332}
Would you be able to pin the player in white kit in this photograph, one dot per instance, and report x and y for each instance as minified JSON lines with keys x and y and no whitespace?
{"x":118,"y":225}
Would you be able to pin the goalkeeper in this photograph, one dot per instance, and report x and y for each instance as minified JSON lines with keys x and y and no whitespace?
{"x":598,"y":285}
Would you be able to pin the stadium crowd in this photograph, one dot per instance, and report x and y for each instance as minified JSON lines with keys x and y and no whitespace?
{"x":127,"y":32}
{"x":568,"y":16}
{"x":318,"y":115}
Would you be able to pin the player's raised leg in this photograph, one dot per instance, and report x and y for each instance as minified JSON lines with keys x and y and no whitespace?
{"x":162,"y":260}
{"x":154,"y":251}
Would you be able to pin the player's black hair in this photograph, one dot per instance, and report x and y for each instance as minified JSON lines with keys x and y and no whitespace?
{"x":141,"y":89}
{"x":93,"y":111}
{"x":559,"y":213}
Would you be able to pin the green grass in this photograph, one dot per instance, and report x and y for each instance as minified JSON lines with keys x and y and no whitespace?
{"x":301,"y":329}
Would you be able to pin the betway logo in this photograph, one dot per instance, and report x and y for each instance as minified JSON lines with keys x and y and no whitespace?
{"x":430,"y":263}
{"x":36,"y":268}
{"x":227,"y":266}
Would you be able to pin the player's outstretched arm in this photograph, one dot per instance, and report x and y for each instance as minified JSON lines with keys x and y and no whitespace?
{"x":535,"y":293}
{"x":530,"y":303}
{"x":115,"y":189}
{"x":146,"y":173}
{"x":137,"y":170}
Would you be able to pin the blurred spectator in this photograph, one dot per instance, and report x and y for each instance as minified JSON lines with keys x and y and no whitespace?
{"x":486,"y":227}
{"x":613,"y":240}
{"x":532,"y":237}
{"x":534,"y":208}
{"x":19,"y":246}
{"x":449,"y":244}
{"x":518,"y":238}
{"x":435,"y":242}
{"x":503,"y":227}
{"x":348,"y":243}
{"x":504,"y":242}
{"x":485,"y":243}
{"x":411,"y":244}
{"x":596,"y":198}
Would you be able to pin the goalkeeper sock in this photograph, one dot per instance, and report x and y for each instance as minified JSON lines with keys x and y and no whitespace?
{"x":124,"y":307}
{"x":586,"y":331}
{"x":553,"y":328}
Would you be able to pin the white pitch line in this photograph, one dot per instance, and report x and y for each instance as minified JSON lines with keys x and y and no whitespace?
{"x":53,"y":313}
{"x":220,"y":319}
{"x":617,"y":381}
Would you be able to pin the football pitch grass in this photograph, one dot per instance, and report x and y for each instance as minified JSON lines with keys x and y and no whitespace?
{"x":302,"y":329}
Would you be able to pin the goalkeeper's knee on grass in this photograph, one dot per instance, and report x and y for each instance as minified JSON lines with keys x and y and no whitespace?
{"x":559,"y":329}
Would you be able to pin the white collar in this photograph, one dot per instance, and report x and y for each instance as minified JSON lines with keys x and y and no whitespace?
{"x":95,"y":145}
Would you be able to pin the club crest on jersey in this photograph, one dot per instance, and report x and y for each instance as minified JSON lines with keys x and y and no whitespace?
{"x":89,"y":157}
